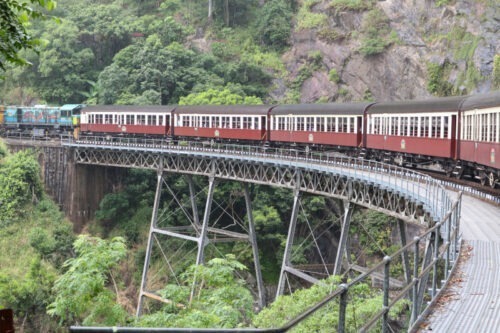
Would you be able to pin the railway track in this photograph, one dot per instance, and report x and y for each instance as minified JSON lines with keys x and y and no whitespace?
{"x":468,"y":186}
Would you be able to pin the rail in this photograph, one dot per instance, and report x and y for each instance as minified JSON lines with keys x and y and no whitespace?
{"x":443,"y":235}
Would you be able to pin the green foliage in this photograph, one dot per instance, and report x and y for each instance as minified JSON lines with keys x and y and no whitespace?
{"x":28,"y":297}
{"x":4,"y":151}
{"x":373,"y":229}
{"x":496,"y":71}
{"x":218,"y":97}
{"x":438,"y":84}
{"x":19,"y":184}
{"x":130,"y":208}
{"x":309,"y":20}
{"x":441,"y":3}
{"x":376,"y":32}
{"x":464,"y":45}
{"x":363,"y":304}
{"x":81,"y":292}
{"x":64,"y":64}
{"x":352,"y":4}
{"x":273,"y":24}
{"x":14,"y":20}
{"x":219,"y":300}
{"x":334,"y":76}
{"x":330,"y":35}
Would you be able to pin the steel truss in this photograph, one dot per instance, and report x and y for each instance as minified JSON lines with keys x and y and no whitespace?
{"x":198,"y":233}
{"x":395,"y":198}
{"x":383,"y":198}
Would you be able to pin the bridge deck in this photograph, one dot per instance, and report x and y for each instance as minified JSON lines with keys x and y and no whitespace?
{"x":472,"y":302}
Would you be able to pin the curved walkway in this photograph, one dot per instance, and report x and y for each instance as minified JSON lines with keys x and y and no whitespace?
{"x":472,"y":301}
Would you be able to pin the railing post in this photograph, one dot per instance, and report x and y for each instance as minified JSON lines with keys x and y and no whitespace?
{"x":448,"y":243}
{"x":415,"y":307}
{"x":385,"y":318}
{"x":342,"y":308}
{"x":436,"y":257}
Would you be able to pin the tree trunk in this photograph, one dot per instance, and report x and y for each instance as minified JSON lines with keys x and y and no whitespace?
{"x":210,"y":10}
{"x":226,"y":12}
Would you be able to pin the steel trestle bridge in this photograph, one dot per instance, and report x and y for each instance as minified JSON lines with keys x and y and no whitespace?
{"x":408,"y":196}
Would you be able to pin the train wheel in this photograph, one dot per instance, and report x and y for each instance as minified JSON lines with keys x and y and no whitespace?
{"x":491,"y":180}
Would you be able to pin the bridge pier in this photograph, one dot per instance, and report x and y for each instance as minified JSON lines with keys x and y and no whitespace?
{"x":342,"y":248}
{"x":200,"y":233}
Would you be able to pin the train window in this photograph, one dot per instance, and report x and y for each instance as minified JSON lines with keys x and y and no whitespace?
{"x":185,"y":121}
{"x":320,"y":124}
{"x":413,"y":126}
{"x":309,"y":123}
{"x":247,"y":121}
{"x":377,"y":125}
{"x":98,"y":119}
{"x":236,"y":122}
{"x":494,"y":128}
{"x":216,"y":122}
{"x":484,"y":127}
{"x":300,"y":124}
{"x":205,"y":121}
{"x":393,"y":130}
{"x":330,"y":124}
{"x":491,"y":126}
{"x":141,"y":119}
{"x":342,"y":124}
{"x":151,"y":120}
{"x":129,"y":119}
{"x":281,"y":123}
{"x":434,"y":127}
{"x":225,"y":122}
{"x":108,"y":119}
{"x":403,"y":127}
{"x":424,"y":130}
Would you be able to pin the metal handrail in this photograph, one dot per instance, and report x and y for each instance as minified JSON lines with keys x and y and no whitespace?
{"x":428,"y":191}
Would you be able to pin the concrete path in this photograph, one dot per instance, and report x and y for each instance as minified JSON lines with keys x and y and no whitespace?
{"x":471,"y":303}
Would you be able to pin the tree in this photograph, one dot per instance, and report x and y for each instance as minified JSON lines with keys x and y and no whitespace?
{"x":219,"y":300}
{"x":273,"y":26}
{"x":81,"y":293}
{"x":19,"y":183}
{"x":64,"y":64}
{"x":14,"y":18}
{"x":218,"y":96}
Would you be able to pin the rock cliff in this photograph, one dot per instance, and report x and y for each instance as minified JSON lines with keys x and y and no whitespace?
{"x":394,"y":50}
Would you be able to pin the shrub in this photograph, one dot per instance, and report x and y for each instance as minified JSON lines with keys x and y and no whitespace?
{"x":438,"y":85}
{"x":308,"y":20}
{"x":376,"y":33}
{"x":352,"y":4}
{"x":273,"y":27}
{"x":496,"y":71}
{"x":334,"y":76}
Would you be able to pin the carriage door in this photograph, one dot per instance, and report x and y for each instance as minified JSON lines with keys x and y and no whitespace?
{"x":19,"y":114}
{"x":453,"y":134}
{"x":359,"y":131}
{"x":263,"y":133}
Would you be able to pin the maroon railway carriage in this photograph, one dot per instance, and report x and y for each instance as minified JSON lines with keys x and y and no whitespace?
{"x":331,"y":124}
{"x":124,"y":119}
{"x":414,"y":131}
{"x":232,"y":122}
{"x":480,"y":136}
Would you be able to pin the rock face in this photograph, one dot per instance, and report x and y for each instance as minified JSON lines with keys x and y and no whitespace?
{"x":461,"y":37}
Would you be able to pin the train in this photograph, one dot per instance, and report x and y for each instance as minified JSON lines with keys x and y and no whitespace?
{"x":459,"y":136}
